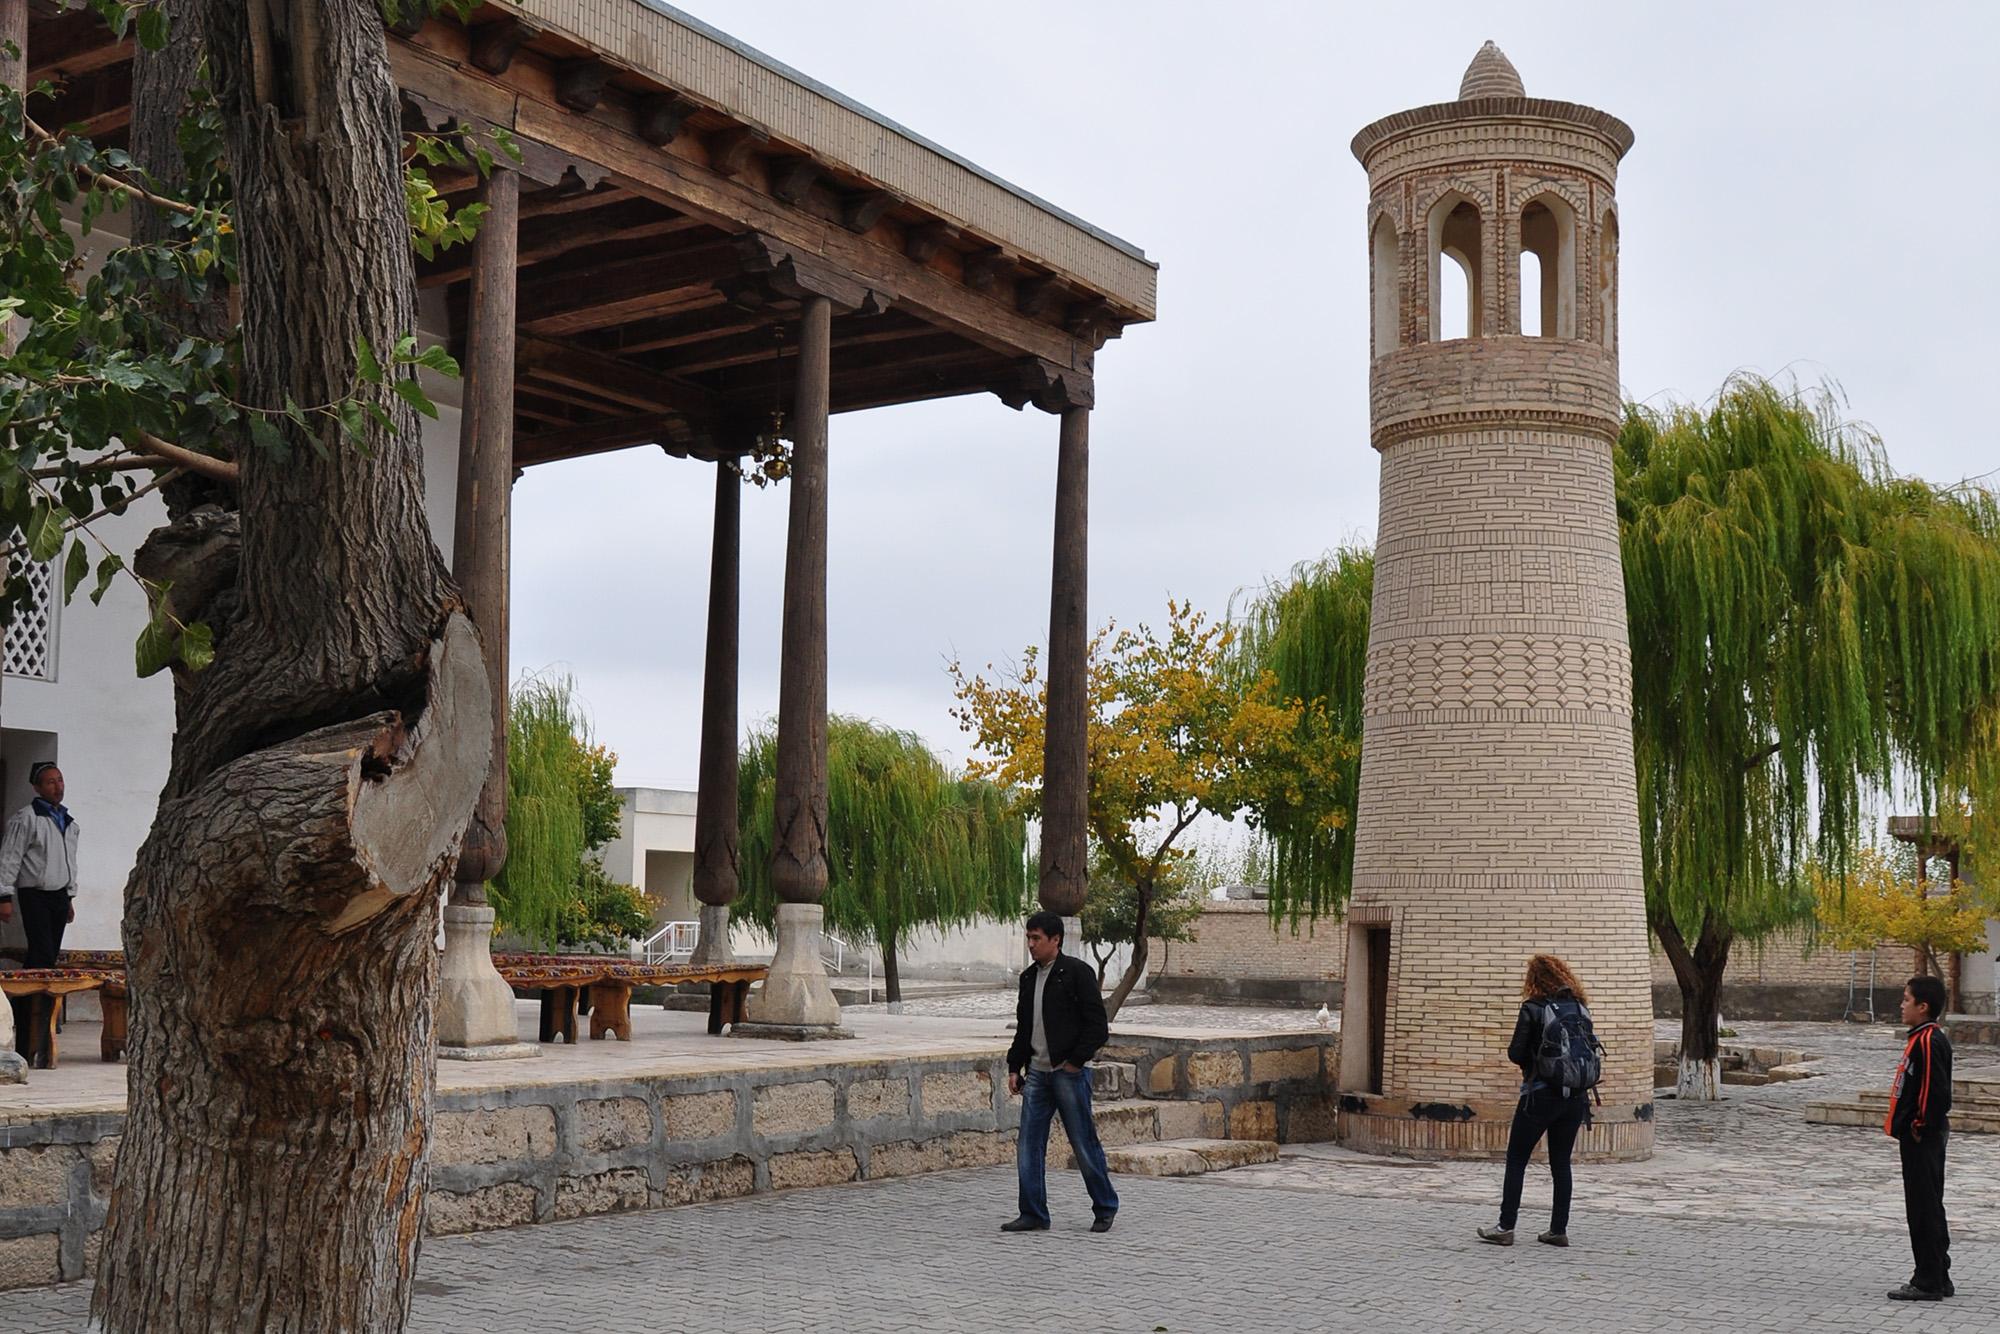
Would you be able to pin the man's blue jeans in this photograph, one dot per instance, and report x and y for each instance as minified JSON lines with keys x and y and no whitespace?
{"x":1044,"y":1094}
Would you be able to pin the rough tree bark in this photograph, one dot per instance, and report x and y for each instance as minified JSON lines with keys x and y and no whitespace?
{"x":1699,"y":972}
{"x":280,"y":916}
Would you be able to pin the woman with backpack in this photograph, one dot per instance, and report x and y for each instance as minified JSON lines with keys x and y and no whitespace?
{"x":1560,"y":1061}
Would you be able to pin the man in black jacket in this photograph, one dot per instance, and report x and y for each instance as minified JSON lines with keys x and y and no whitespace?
{"x":1058,"y":1026}
{"x":1919,"y":1121}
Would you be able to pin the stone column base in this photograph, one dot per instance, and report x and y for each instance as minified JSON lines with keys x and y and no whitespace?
{"x":712,"y":947}
{"x":13,"y":1068}
{"x":475,"y":1006}
{"x":795,"y":994}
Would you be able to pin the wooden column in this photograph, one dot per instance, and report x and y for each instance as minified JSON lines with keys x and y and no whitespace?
{"x":483,"y":529}
{"x":1065,"y":772}
{"x":715,"y":831}
{"x":795,"y":999}
{"x":798,"y":855}
{"x":475,"y":1005}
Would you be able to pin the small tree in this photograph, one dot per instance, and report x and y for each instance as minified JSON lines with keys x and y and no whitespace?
{"x":1110,"y":915}
{"x":1173,"y":732}
{"x":561,"y":809}
{"x":909,"y":843}
{"x":1878,"y":899}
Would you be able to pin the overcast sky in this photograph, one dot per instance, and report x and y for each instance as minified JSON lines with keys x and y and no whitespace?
{"x":1813,"y":188}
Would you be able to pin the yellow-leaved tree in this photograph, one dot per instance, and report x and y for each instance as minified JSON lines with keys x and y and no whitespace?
{"x":1173,"y":732}
{"x":1874,"y":903}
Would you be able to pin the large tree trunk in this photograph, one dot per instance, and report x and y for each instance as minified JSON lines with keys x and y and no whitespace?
{"x":1136,"y":968}
{"x":892,"y":979}
{"x":280,"y":917}
{"x":1699,"y":972}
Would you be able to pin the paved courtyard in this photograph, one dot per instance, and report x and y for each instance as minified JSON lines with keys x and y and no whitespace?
{"x":1746,"y":1218}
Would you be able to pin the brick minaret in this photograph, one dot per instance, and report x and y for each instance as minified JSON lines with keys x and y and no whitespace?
{"x":1497,"y":813}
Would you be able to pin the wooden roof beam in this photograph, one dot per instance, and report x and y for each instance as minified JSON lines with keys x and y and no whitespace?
{"x":580,"y":83}
{"x":495,"y":44}
{"x":602,"y":437}
{"x":860,"y":212}
{"x":708,"y":181}
{"x":562,"y":235}
{"x":614,"y":379}
{"x":73,"y":45}
{"x":570,"y":299}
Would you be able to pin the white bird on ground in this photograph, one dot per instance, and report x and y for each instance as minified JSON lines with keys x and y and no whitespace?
{"x":1324,"y":1018}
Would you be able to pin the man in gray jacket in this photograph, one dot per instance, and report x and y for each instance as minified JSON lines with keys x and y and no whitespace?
{"x":38,"y":866}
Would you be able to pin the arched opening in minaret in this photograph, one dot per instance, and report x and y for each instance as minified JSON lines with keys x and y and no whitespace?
{"x":1531,"y":281}
{"x":1456,"y":309}
{"x":1548,"y":233}
{"x":1607,"y":281}
{"x":1388,"y":285}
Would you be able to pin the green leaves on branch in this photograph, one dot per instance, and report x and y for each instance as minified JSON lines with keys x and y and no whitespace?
{"x":434,"y":224}
{"x":167,"y":640}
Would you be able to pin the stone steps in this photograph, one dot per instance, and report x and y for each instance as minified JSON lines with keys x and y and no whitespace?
{"x":1189,"y":1157}
{"x":1975,"y":1105}
{"x":1978,"y":1120}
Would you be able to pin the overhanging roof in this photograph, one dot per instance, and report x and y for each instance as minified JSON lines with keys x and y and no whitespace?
{"x":655,"y":39}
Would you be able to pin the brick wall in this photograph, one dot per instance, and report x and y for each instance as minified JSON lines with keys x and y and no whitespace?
{"x":1237,"y":954}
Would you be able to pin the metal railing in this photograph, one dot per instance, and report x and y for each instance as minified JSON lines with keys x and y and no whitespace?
{"x":674,"y":940}
{"x":835,"y":959}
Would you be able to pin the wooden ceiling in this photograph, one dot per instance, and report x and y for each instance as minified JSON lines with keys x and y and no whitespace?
{"x":664,"y":249}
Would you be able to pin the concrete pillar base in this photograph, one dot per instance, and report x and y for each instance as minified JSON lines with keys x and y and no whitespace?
{"x":475,"y":1007}
{"x":712,"y":947}
{"x":795,"y":994}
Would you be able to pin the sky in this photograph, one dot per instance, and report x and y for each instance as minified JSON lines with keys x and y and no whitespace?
{"x":1800,"y":200}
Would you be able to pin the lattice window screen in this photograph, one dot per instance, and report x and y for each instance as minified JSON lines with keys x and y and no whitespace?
{"x":31,"y":638}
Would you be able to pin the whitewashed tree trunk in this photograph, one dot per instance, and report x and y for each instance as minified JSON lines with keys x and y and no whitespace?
{"x":1699,"y":1080}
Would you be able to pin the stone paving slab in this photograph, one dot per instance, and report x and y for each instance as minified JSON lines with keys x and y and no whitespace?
{"x":1187,"y":1257}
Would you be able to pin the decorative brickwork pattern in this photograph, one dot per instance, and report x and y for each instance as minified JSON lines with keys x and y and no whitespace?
{"x":1497,"y":815}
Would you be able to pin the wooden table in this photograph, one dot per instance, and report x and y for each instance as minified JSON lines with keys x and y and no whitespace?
{"x":603,"y":985}
{"x":36,"y":1023}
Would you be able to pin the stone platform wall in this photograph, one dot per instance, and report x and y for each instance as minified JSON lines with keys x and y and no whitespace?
{"x":539,"y":1152}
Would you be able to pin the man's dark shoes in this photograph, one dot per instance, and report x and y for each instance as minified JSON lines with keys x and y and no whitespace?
{"x":1910,"y":1292}
{"x":1024,"y":1224}
{"x":1102,"y":1224}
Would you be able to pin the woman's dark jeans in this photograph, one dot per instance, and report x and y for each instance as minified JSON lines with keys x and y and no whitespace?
{"x":1543,"y":1111}
{"x":1045,"y":1095}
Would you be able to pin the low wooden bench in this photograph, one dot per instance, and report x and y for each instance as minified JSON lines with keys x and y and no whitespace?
{"x":36,"y":1038}
{"x":604,"y":985}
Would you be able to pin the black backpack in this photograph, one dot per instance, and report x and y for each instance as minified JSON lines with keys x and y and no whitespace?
{"x":1571,"y":1058}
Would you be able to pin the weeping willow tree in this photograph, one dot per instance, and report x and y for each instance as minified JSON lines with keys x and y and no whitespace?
{"x":1310,"y":632}
{"x":1811,"y":632}
{"x":909,"y":843}
{"x":546,"y":840}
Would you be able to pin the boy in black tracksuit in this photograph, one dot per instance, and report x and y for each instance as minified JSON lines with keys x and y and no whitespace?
{"x":1919,"y":1121}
